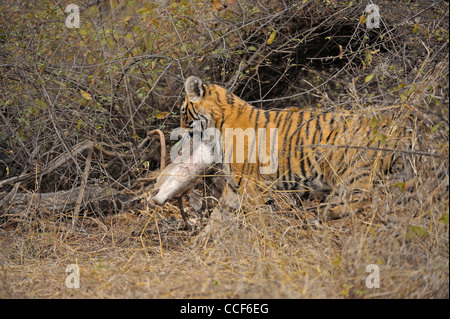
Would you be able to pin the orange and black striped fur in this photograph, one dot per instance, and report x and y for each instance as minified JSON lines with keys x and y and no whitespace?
{"x":335,"y":153}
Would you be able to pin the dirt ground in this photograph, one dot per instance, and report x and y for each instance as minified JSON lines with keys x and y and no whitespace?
{"x":268,"y":254}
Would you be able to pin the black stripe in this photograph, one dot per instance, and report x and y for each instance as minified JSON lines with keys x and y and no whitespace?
{"x":242,"y":173}
{"x":258,"y":113}
{"x":222,"y":120}
{"x":190,"y":115}
{"x":285,"y":181}
{"x":204,"y":90}
{"x":290,"y":142}
{"x":204,"y":122}
{"x":287,"y":119}
{"x":307,"y":128}
{"x":308,"y":161}
{"x":276,"y":113}
{"x":342,"y":171}
{"x":233,"y":188}
{"x":267,"y":115}
{"x":240,"y":181}
{"x":242,"y":108}
{"x":316,"y":131}
{"x":343,"y":155}
{"x":301,"y":158}
{"x":345,"y":125}
{"x":195,"y":110}
{"x":293,"y":144}
{"x":332,"y":121}
{"x":251,"y":113}
{"x":230,"y":98}
{"x":190,"y":111}
{"x":280,"y":115}
{"x":330,"y":124}
{"x":322,"y":118}
{"x":327,"y":140}
{"x":257,"y":118}
{"x":354,"y":179}
{"x":298,"y":133}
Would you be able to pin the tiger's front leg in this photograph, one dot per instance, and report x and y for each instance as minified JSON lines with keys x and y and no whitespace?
{"x":221,"y":216}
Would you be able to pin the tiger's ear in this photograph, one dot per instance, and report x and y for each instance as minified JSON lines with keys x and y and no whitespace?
{"x":194,"y":88}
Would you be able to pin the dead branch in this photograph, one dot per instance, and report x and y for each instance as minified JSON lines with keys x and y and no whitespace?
{"x":14,"y":203}
{"x":83,"y":186}
{"x":114,"y":153}
{"x":57,"y":162}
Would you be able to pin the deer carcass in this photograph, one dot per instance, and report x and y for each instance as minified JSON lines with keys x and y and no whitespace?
{"x":179,"y":177}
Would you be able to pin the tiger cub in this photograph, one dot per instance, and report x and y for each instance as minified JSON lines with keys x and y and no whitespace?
{"x":337,"y":153}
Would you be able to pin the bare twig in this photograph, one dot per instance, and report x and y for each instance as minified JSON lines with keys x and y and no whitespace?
{"x":57,"y":162}
{"x":84,"y":179}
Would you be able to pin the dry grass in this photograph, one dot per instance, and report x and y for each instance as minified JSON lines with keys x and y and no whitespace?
{"x":258,"y":255}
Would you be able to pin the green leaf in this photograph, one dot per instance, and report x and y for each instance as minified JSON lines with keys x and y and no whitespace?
{"x":125,"y":19}
{"x":159,"y":115}
{"x":86,"y":95}
{"x":434,"y":129}
{"x":419,"y":231}
{"x":368,"y":57}
{"x":372,"y":231}
{"x":362,"y":19}
{"x":80,"y":124}
{"x":271,"y":38}
{"x":252,"y":48}
{"x":338,"y":261}
{"x":374,"y":122}
{"x":369,"y":77}
{"x":444,"y":218}
{"x":401,"y":185}
{"x":346,"y":290}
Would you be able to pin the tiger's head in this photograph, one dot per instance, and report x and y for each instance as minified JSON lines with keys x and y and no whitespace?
{"x":200,"y":104}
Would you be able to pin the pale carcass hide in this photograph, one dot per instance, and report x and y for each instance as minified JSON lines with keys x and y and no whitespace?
{"x":179,"y":177}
